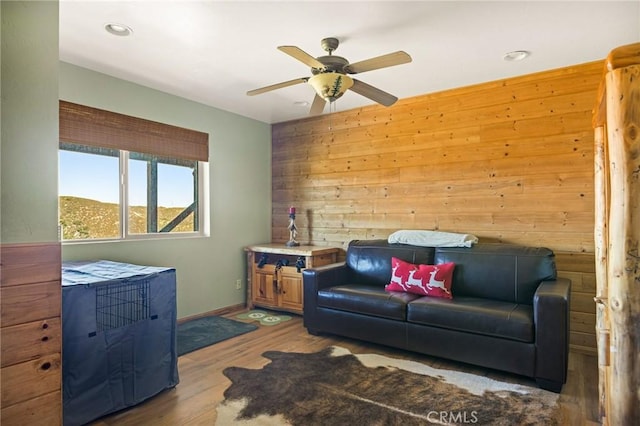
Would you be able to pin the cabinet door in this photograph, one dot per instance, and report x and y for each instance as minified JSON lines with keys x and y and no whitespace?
{"x":263,"y":292}
{"x":291,"y":291}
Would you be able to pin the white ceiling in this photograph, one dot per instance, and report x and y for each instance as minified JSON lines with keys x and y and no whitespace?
{"x":213,"y":52}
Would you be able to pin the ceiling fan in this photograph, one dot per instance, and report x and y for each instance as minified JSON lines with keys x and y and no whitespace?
{"x":329,"y":75}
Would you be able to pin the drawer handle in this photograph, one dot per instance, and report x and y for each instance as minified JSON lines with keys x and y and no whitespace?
{"x":45,"y":326}
{"x":45,"y":338}
{"x":45,"y":366}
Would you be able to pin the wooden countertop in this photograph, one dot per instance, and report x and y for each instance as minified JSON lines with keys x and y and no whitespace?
{"x":301,"y":250}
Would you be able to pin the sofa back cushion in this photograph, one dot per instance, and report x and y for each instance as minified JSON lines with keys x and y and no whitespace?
{"x":498,"y":271}
{"x":369,"y":261}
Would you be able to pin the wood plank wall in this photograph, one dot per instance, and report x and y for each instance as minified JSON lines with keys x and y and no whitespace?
{"x":508,"y":161}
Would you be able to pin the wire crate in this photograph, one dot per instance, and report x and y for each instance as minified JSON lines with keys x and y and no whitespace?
{"x":121,"y":304}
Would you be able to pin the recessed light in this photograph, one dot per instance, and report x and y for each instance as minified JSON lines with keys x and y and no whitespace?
{"x":516,"y":55}
{"x":118,"y":29}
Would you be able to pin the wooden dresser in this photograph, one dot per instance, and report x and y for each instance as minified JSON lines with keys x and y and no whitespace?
{"x":274,"y":280}
{"x":30,"y":334}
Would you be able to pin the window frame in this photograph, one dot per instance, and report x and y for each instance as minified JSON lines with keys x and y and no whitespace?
{"x":201,"y":183}
{"x":89,"y":126}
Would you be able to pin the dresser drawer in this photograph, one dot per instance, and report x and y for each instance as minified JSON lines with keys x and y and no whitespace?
{"x":44,"y":410}
{"x":29,"y":341}
{"x":30,"y":379}
{"x":30,"y":302}
{"x":30,"y":263}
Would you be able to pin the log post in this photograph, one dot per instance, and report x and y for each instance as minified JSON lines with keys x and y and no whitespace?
{"x":601,"y":185}
{"x":623,"y":264}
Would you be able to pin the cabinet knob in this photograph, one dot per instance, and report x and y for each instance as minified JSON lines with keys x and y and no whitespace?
{"x":45,"y":366}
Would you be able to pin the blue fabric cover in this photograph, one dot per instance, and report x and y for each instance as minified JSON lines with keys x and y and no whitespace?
{"x":116,"y":352}
{"x":104,"y":270}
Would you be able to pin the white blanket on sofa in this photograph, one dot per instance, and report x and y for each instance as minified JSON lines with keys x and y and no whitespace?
{"x":416,"y":237}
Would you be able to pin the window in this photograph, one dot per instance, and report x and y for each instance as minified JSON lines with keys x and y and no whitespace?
{"x":162,"y":194}
{"x":107,"y":192}
{"x":89,"y":193}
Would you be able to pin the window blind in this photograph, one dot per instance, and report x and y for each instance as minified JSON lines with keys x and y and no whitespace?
{"x":80,"y":124}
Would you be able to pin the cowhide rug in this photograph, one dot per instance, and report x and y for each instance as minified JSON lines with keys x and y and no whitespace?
{"x":336,"y":387}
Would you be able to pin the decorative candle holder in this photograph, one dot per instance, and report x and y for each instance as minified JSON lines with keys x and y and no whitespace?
{"x":293,"y":231}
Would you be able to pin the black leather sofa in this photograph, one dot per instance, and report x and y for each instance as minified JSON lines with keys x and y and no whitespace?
{"x":509,"y":310}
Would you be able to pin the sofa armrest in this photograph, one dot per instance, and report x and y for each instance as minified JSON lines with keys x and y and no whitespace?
{"x":324,"y":276}
{"x":551,"y":316}
{"x":315,"y":279}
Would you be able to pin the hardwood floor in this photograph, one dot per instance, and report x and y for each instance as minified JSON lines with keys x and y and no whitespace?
{"x":194,"y":400}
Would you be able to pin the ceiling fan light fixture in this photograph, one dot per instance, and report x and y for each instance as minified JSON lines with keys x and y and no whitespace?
{"x":330,"y":85}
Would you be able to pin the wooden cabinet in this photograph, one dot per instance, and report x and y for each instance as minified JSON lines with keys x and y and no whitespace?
{"x":274,"y":273}
{"x":31,"y":367}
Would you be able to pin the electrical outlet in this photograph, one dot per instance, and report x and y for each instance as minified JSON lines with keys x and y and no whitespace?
{"x":238,"y":284}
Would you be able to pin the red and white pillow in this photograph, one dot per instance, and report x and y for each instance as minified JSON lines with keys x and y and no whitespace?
{"x":426,"y":280}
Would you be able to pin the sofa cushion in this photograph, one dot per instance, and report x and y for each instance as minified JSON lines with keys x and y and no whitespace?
{"x":425,"y":280}
{"x":369,"y":261}
{"x":366,"y":300}
{"x":481,"y":316}
{"x":504,"y":272}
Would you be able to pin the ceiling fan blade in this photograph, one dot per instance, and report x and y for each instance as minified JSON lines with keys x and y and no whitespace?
{"x":277,"y":86}
{"x":318,"y":105}
{"x":373,"y":93}
{"x":388,"y":60}
{"x":302,"y":56}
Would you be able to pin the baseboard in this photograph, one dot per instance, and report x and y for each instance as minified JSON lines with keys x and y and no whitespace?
{"x":222,"y":311}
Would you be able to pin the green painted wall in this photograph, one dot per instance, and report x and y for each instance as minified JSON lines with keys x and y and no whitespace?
{"x":29,"y":131}
{"x":32,"y":81}
{"x":240,"y":190}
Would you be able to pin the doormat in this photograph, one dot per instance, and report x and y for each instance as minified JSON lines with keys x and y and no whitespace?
{"x":263,"y":317}
{"x":336,"y":387}
{"x":201,"y":332}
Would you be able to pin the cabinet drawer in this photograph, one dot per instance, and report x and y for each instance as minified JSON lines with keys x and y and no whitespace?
{"x":291,"y":271}
{"x":266,"y":269}
{"x":29,"y":341}
{"x":40,"y":411}
{"x":30,"y":379}
{"x":30,"y":302}
{"x":323,"y":259}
